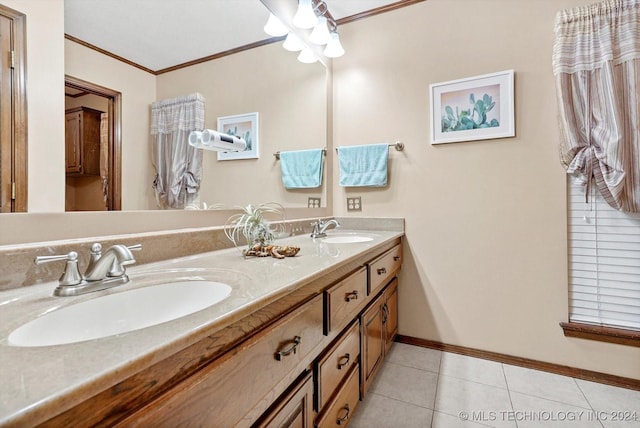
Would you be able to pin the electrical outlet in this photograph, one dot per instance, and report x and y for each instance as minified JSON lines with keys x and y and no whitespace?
{"x":313,"y":203}
{"x":354,"y":203}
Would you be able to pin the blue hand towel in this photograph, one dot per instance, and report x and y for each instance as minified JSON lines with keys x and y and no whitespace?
{"x":301,"y":169}
{"x":362,"y":166}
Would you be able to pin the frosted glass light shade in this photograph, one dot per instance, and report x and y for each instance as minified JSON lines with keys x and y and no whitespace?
{"x":274,"y":27}
{"x":305,"y":17}
{"x":292,"y":43}
{"x":307,"y":56}
{"x":320,"y":34}
{"x":334,"y":48}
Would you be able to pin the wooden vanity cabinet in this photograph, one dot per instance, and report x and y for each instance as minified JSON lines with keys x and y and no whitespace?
{"x":306,"y":360}
{"x":244,"y":381}
{"x":82,"y":141}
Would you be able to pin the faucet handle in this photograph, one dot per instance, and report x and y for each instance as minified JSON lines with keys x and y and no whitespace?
{"x":71,"y":274}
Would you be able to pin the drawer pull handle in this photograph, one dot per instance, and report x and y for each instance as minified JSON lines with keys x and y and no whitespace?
{"x":396,"y":258}
{"x":382,"y":271}
{"x":344,"y":419}
{"x":351,"y":296}
{"x":343,"y":361}
{"x":291,"y":350}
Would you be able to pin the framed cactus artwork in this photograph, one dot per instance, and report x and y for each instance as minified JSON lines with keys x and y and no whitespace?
{"x":243,"y":126}
{"x":475,"y":108}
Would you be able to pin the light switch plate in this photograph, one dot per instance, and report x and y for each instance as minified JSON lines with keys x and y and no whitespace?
{"x":354,"y":203}
{"x":313,"y":203}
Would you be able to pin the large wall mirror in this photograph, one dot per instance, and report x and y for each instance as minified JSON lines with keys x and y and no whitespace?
{"x":289,"y":96}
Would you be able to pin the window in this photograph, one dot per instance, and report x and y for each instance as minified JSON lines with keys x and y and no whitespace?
{"x":604,"y":263}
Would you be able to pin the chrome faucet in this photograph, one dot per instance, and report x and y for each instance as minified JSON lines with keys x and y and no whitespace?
{"x":320,"y":227}
{"x":104,"y":270}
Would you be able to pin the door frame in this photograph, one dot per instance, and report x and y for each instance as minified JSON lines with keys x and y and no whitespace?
{"x":114,"y":191}
{"x":19,"y":172}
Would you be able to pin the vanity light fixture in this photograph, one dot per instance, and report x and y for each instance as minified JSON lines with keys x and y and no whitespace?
{"x":310,"y":14}
{"x":292,"y":43}
{"x":320,"y":34}
{"x":305,"y":16}
{"x":274,"y":27}
{"x":334,"y":48}
{"x":307,"y":56}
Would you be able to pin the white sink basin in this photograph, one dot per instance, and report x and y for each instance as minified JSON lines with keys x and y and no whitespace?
{"x":119,"y":313}
{"x":346,"y":239}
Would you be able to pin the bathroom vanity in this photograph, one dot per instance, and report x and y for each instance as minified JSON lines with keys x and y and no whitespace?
{"x":297,"y":343}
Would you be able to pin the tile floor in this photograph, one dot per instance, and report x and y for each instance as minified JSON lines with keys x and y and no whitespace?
{"x":419,"y":387}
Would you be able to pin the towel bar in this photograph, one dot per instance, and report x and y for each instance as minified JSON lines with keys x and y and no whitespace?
{"x":398,"y":145}
{"x":277,"y":154}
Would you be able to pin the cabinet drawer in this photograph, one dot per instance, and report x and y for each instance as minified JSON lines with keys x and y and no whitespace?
{"x":384,"y":268}
{"x":335,"y":365}
{"x":344,"y":300}
{"x":294,"y":410}
{"x":249,"y":377}
{"x":342,"y":408}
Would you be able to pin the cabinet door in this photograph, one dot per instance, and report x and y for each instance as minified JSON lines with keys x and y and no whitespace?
{"x":72,"y":130}
{"x":294,"y":410}
{"x":390,"y":316}
{"x":372,"y":342}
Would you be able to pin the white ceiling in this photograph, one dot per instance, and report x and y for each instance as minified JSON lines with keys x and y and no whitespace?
{"x":158,"y":34}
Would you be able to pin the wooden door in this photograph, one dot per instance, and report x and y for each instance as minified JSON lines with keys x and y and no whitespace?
{"x":13,"y":112}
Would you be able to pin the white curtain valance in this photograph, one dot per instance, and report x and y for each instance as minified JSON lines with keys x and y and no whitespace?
{"x":589,"y":36}
{"x":185,"y":113}
{"x":596,"y":63}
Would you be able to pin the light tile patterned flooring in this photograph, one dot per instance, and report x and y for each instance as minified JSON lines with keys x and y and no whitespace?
{"x":419,"y":387}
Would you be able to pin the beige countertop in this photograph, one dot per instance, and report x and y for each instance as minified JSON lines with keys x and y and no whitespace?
{"x":37,"y":380}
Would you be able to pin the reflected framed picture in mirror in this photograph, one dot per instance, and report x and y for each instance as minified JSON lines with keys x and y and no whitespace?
{"x":243,"y":126}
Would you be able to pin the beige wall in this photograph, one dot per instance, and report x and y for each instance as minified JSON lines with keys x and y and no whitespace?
{"x":486,"y":251}
{"x":45,"y":102}
{"x":138,"y":90}
{"x":291,"y":100}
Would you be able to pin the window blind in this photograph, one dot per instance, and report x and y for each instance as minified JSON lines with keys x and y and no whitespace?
{"x":604,"y":262}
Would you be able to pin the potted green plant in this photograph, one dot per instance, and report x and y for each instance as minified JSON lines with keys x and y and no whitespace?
{"x":252,"y":225}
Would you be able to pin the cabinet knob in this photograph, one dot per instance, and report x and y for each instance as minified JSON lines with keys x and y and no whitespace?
{"x":385,"y":313}
{"x":291,"y":350}
{"x":353,"y":295}
{"x":343,"y":361}
{"x":396,"y":258}
{"x":382,"y":271}
{"x":344,"y":419}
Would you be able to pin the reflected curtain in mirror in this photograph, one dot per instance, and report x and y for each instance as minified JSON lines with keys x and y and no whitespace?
{"x":596,"y":63}
{"x":178,"y":165}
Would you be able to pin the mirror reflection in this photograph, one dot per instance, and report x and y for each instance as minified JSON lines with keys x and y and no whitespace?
{"x":290,"y":97}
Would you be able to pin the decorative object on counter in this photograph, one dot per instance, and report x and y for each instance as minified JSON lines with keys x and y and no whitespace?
{"x":277,"y":251}
{"x":242,"y":126}
{"x":301,"y":169}
{"x":363,"y":166}
{"x":474,"y":108}
{"x":251,"y":225}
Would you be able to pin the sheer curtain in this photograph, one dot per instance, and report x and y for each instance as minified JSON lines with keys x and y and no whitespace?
{"x":178,"y":165}
{"x":596,"y":63}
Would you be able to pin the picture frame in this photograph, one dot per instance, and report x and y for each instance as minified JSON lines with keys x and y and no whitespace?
{"x":474,"y":108}
{"x":245,"y":126}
